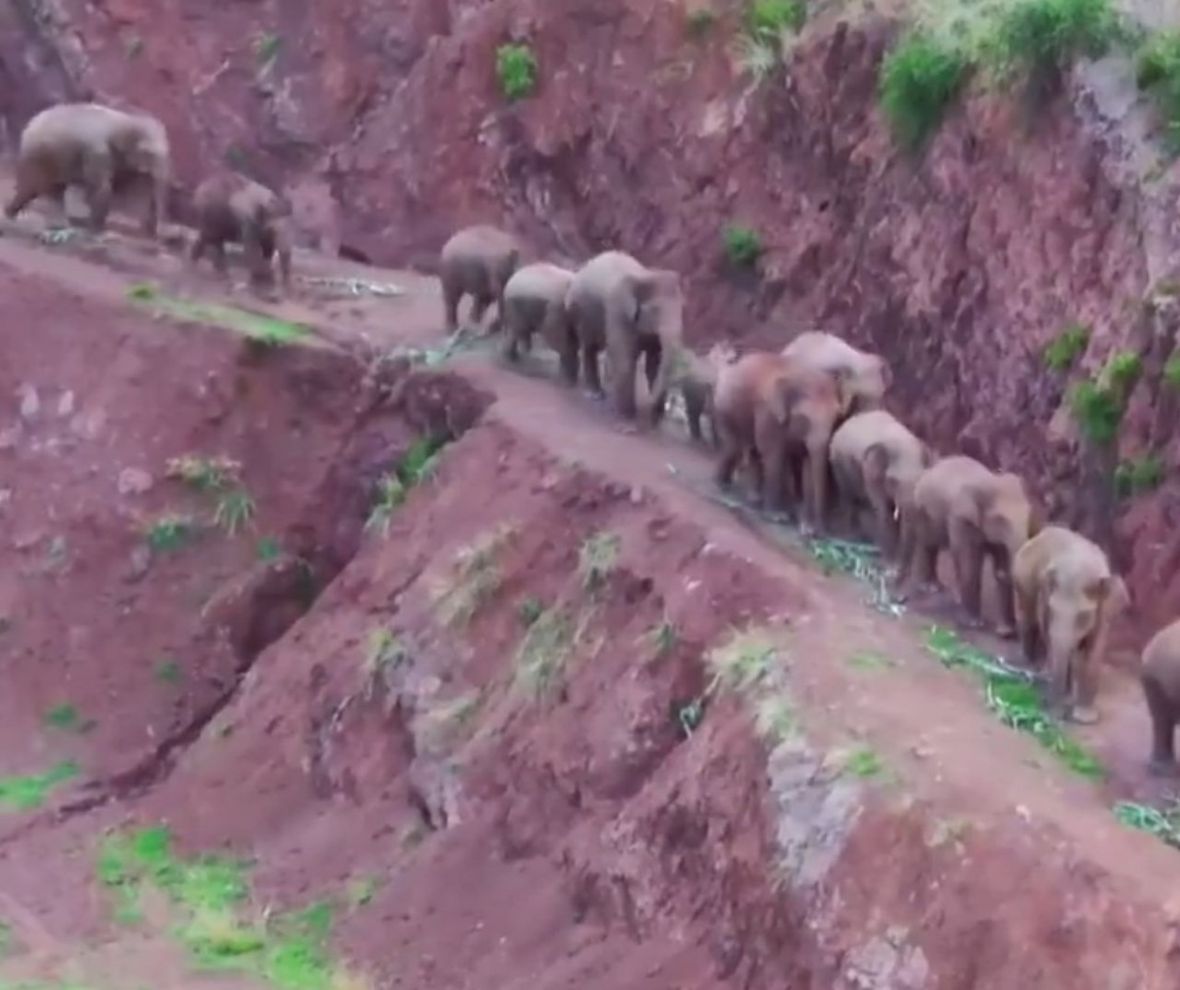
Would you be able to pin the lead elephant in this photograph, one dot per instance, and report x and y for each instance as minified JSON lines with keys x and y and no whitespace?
{"x":960,"y":505}
{"x":231,"y":208}
{"x":1159,"y":675}
{"x":867,"y":375}
{"x":779,"y":415}
{"x":534,"y":301}
{"x":877,"y":460}
{"x":632,"y":312}
{"x":98,"y":148}
{"x":477,"y":261}
{"x":1066,"y":598}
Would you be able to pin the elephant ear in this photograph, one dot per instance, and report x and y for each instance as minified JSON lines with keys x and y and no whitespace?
{"x":876,"y":462}
{"x":845,"y":380}
{"x":783,"y":399}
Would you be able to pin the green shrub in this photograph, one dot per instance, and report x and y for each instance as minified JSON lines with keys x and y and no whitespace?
{"x":743,"y":246}
{"x":517,"y":68}
{"x":1068,"y":347}
{"x":1140,"y":475}
{"x":918,"y":81}
{"x":1043,"y":36}
{"x":1097,"y":410}
{"x":1158,"y":73}
{"x":770,"y":18}
{"x":1172,"y":372}
{"x":1122,"y":370}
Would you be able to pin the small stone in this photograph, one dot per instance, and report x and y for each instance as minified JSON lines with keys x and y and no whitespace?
{"x":30,"y":401}
{"x":140,"y":561}
{"x":134,"y":481}
{"x":637,"y":495}
{"x":65,"y":405}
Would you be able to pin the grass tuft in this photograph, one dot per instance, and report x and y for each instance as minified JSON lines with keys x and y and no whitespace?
{"x":597,"y":558}
{"x":476,"y":579}
{"x":919,"y":79}
{"x":542,"y":655}
{"x":1137,"y":476}
{"x":743,"y":246}
{"x":516,"y":67}
{"x":1070,"y":345}
{"x":416,"y":466}
{"x":170,"y":532}
{"x":234,"y":511}
{"x":256,"y":326}
{"x":1044,"y":36}
{"x":1158,"y":74}
{"x":24,"y":793}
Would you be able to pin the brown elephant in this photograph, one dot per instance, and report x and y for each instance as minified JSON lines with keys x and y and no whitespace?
{"x":695,"y":377}
{"x":232,"y":208}
{"x":876,"y":460}
{"x":868,"y":374}
{"x":1066,"y":598}
{"x":534,"y":300}
{"x":960,"y":505}
{"x":96,"y":147}
{"x":780,"y":415}
{"x":1159,"y":674}
{"x":633,"y":312}
{"x":477,"y":261}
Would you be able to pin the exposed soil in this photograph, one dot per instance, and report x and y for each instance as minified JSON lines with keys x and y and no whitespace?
{"x":600,"y":834}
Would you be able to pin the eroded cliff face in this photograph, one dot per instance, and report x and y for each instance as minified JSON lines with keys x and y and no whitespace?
{"x":386,"y":122}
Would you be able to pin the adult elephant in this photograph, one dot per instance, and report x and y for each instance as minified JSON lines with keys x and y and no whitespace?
{"x":618,"y":305}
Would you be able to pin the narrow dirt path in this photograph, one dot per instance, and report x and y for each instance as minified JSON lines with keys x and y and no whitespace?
{"x":932,"y":723}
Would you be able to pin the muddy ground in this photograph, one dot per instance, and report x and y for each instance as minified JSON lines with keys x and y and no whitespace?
{"x":501,"y":736}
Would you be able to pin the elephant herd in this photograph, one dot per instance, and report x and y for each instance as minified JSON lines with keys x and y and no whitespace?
{"x":810,"y":426}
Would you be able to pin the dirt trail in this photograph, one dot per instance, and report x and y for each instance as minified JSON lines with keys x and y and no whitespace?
{"x":930,"y":724}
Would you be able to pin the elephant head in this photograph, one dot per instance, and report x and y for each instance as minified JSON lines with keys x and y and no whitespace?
{"x":654,"y":301}
{"x":141,"y":146}
{"x":895,"y":471}
{"x":1006,"y":516}
{"x":868,"y":379}
{"x":1078,"y":602}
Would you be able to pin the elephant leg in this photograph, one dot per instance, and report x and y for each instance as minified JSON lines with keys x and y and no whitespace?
{"x":198,"y":248}
{"x":452,"y":293}
{"x":817,"y":496}
{"x":28,"y":188}
{"x":1163,"y":714}
{"x":727,"y":458}
{"x":590,"y":370}
{"x":1060,"y":679}
{"x":1027,"y":626}
{"x":1006,"y":594}
{"x":623,"y":360}
{"x":967,"y":553}
{"x":694,"y":406}
{"x":217,"y":250}
{"x":97,"y":177}
{"x":1086,"y":672}
{"x":927,"y":543}
{"x":886,"y":532}
{"x":482,"y":301}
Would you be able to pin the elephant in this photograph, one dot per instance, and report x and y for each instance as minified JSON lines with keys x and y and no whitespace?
{"x":876,"y":459}
{"x":960,"y":504}
{"x":1159,"y":675}
{"x":1066,"y":598}
{"x":477,"y":261}
{"x":778,"y":413}
{"x":632,"y":311}
{"x":694,"y":377}
{"x":233,"y":208}
{"x":534,"y":300}
{"x":98,"y":148}
{"x":869,"y":373}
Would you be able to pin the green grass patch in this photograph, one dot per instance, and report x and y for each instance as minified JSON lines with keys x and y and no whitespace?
{"x":1013,"y":698}
{"x":1042,"y":36}
{"x":475,"y":579}
{"x":66,"y":718}
{"x":543,"y":653}
{"x":743,"y":246}
{"x":864,"y":763}
{"x":256,"y":326}
{"x":385,"y":652}
{"x":26,"y":792}
{"x":861,"y":561}
{"x":663,"y":638}
{"x":769,"y":19}
{"x":1070,"y":345}
{"x":416,"y":466}
{"x":597,"y":559}
{"x":171,"y":532}
{"x":1172,"y":373}
{"x":1142,"y":474}
{"x":1164,"y":823}
{"x":529,"y":611}
{"x":205,"y":474}
{"x":919,"y":79}
{"x":516,"y":68}
{"x":234,"y":511}
{"x":1158,"y":74}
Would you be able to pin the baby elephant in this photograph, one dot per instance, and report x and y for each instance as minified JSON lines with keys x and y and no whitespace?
{"x":877,"y":460}
{"x":1160,"y":676}
{"x":98,"y":148}
{"x":477,"y":261}
{"x":232,"y":208}
{"x":1066,"y":597}
{"x":974,"y":512}
{"x":534,"y":300}
{"x":695,"y":378}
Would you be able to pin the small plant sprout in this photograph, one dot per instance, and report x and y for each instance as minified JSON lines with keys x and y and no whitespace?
{"x":66,"y":718}
{"x":1070,"y":344}
{"x":205,"y":474}
{"x":1137,"y":476}
{"x":757,"y":57}
{"x":448,"y":718}
{"x":689,"y":716}
{"x":385,"y":652}
{"x":597,"y":559}
{"x":516,"y":67}
{"x":744,"y":662}
{"x":362,"y":890}
{"x":168,"y":672}
{"x":919,"y":79}
{"x":390,"y":494}
{"x":743,"y":246}
{"x":774,"y":718}
{"x":416,"y":466}
{"x":864,"y":763}
{"x":770,"y":19}
{"x":476,"y":579}
{"x":235,"y":510}
{"x":266,"y":49}
{"x":663,"y":638}
{"x":529,"y":611}
{"x":1172,"y":373}
{"x":269,"y":549}
{"x":170,"y":532}
{"x":541,"y":658}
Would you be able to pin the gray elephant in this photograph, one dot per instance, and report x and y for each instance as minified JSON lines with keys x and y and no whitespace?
{"x":98,"y":148}
{"x":632,"y":312}
{"x":534,"y":301}
{"x":232,"y":208}
{"x":477,"y":261}
{"x":868,"y":374}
